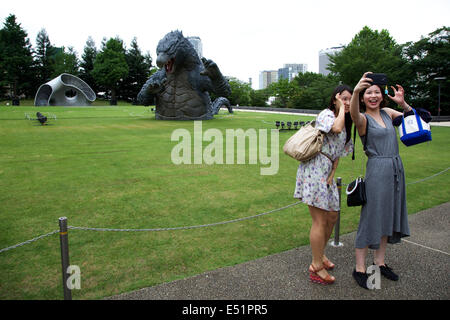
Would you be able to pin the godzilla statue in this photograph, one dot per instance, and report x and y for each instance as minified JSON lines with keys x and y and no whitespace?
{"x":182,"y":85}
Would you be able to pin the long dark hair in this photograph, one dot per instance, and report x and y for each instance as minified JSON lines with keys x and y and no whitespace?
{"x":348,"y":119}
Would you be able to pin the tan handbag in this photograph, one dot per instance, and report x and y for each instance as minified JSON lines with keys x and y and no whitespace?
{"x":305,"y":144}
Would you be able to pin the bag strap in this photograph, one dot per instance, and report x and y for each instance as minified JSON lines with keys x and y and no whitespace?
{"x":329,"y":158}
{"x":367,"y":132}
{"x":418,"y":119}
{"x":403,"y":126}
{"x":354,"y":142}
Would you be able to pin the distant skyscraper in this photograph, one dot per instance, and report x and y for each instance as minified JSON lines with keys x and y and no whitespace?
{"x":323,"y":58}
{"x":283,"y":73}
{"x":197,"y":43}
{"x":267,"y":77}
{"x":291,"y":70}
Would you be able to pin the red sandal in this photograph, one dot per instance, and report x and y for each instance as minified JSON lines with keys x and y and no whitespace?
{"x":316,"y":278}
{"x":328,"y":265}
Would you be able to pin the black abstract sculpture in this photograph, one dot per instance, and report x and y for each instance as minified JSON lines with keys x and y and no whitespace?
{"x":181,"y":87}
{"x":41,"y":118}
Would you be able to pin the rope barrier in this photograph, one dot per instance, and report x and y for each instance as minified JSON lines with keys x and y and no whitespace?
{"x":188,"y":227}
{"x":29,"y":241}
{"x":155,"y":229}
{"x":427,"y":178}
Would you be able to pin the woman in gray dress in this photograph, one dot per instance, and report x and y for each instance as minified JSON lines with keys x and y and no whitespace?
{"x":384,"y":217}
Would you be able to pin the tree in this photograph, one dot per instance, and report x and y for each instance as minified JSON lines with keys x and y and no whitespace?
{"x":314,"y":90}
{"x":428,"y":59}
{"x":139,"y":66}
{"x":16,"y":60}
{"x":370,"y":51}
{"x":240,"y":92}
{"x":44,"y":57}
{"x":259,"y":97}
{"x":110,"y":66}
{"x":306,"y":91}
{"x":87,"y":63}
{"x":283,"y":91}
{"x":65,"y":62}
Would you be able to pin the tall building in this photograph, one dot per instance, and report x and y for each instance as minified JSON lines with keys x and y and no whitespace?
{"x":324,"y":60}
{"x":291,"y":70}
{"x":267,"y":77}
{"x":197,"y":43}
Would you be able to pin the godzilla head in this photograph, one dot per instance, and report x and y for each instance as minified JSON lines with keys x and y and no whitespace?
{"x":173,"y":51}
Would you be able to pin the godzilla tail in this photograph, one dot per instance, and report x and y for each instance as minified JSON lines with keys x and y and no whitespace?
{"x":220,"y":102}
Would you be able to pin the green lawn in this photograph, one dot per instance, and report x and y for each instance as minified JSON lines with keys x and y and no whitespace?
{"x":111,"y":167}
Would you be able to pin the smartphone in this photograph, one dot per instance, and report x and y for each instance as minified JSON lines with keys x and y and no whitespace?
{"x":378,"y":78}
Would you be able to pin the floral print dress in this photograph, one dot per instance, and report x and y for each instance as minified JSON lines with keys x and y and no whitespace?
{"x":311,"y":186}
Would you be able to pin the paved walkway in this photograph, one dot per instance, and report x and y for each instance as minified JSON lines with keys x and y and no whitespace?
{"x":421,"y":260}
{"x":440,"y":124}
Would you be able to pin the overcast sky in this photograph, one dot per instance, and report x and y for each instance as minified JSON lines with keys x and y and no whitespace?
{"x":243,"y":37}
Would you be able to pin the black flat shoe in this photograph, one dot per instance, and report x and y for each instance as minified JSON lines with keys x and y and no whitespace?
{"x":388,"y":273}
{"x":361,"y":278}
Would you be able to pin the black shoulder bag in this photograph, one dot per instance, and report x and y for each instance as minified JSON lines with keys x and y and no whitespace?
{"x":356,"y":191}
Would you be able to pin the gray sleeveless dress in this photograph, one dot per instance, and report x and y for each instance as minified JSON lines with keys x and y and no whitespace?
{"x":385,"y":213}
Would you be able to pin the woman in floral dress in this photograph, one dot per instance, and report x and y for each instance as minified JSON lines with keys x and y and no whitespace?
{"x":315,"y":184}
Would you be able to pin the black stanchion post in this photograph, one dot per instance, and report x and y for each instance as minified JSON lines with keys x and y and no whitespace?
{"x":336,"y":242}
{"x":64,"y":242}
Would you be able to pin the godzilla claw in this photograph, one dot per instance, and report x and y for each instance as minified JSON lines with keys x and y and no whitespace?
{"x":156,"y":85}
{"x":211,"y":69}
